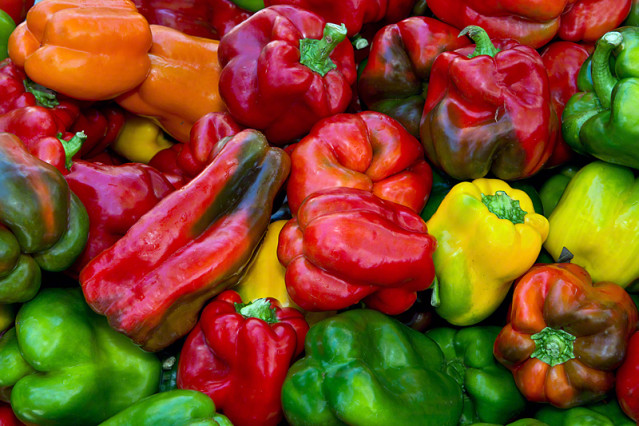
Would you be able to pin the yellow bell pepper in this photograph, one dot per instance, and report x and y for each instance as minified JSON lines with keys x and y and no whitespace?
{"x":140,"y":139}
{"x":488,"y":234}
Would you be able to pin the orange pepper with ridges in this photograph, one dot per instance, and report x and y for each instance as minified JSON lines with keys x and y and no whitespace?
{"x":85,"y":49}
{"x":182,"y":85}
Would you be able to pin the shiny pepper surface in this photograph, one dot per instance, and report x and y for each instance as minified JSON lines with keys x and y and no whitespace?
{"x":627,"y":386}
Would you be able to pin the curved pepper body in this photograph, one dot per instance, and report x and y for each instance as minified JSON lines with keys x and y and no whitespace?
{"x":565,"y":336}
{"x":192,"y":17}
{"x":140,"y":139}
{"x":627,"y":385}
{"x":192,"y":245}
{"x":479,"y":254}
{"x":605,"y":413}
{"x":7,"y":25}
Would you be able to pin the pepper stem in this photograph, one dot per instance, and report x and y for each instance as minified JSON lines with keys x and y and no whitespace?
{"x":553,"y":346}
{"x":315,"y":54}
{"x":71,"y":147}
{"x":504,"y":207}
{"x":435,"y":300}
{"x":259,"y":308}
{"x":483,"y":44}
{"x":602,"y":78}
{"x":44,"y":97}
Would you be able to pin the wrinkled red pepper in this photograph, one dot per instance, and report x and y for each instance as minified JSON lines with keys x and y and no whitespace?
{"x":369,"y":151}
{"x":270,"y":83}
{"x":192,"y":245}
{"x":627,"y":386}
{"x":346,"y":245}
{"x":489,"y":110}
{"x":239,"y":354}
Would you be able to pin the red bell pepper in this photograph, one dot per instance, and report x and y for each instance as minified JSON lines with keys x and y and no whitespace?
{"x":192,"y":17}
{"x":565,"y":336}
{"x":239,"y":354}
{"x":17,"y":9}
{"x":369,"y":151}
{"x":192,"y":245}
{"x":627,"y":386}
{"x":489,"y":110}
{"x":346,"y":245}
{"x":7,"y":416}
{"x":283,"y":69}
{"x":535,"y":23}
{"x":115,"y":196}
{"x":226,"y":15}
{"x":563,"y":60}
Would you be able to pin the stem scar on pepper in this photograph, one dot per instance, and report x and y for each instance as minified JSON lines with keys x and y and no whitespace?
{"x":315,"y":54}
{"x":553,"y":346}
{"x":504,"y":207}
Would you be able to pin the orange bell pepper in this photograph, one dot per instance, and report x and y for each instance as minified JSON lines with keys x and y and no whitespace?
{"x":85,"y":49}
{"x":182,"y":85}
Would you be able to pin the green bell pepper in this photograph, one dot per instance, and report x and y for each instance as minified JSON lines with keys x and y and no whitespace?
{"x":365,"y":368}
{"x":521,"y":422}
{"x":6,"y":28}
{"x":490,"y":392}
{"x":606,"y":413}
{"x":601,"y":120}
{"x":551,"y":190}
{"x":176,"y":407}
{"x":63,"y":365}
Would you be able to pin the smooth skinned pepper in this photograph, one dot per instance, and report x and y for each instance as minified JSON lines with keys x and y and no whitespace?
{"x":627,"y":380}
{"x":195,"y":243}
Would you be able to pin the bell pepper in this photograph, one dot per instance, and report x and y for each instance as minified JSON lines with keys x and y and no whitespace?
{"x":116,"y":197}
{"x":563,"y":61}
{"x":192,"y":17}
{"x":62,"y":364}
{"x":489,"y":110}
{"x":176,"y":407}
{"x":227,"y":15}
{"x":140,"y":139}
{"x":627,"y":383}
{"x":43,"y":223}
{"x":367,"y":150}
{"x":633,"y":15}
{"x":7,"y":416}
{"x":182,"y":84}
{"x":102,"y":123}
{"x":605,"y":413}
{"x":250,"y":5}
{"x":488,"y":234}
{"x":597,"y":121}
{"x":565,"y":335}
{"x":363,"y":368}
{"x":346,"y":245}
{"x":535,"y":23}
{"x":553,"y":187}
{"x":394,"y":79}
{"x":192,"y":245}
{"x":595,"y":219}
{"x":239,"y":354}
{"x":7,"y":316}
{"x":490,"y":393}
{"x":17,"y":9}
{"x":85,"y":49}
{"x":442,"y":184}
{"x":7,"y":25}
{"x":283,"y":69}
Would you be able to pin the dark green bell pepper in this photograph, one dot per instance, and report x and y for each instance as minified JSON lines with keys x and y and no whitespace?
{"x":365,"y":368}
{"x":176,"y":407}
{"x":606,"y":413}
{"x":490,"y":392}
{"x":6,"y":28}
{"x":601,"y":120}
{"x":63,"y":365}
{"x":442,"y":183}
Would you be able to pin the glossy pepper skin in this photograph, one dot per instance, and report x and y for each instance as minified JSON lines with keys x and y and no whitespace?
{"x":394,"y":80}
{"x":7,"y":416}
{"x":176,"y":407}
{"x":367,"y":150}
{"x":7,"y":25}
{"x":595,"y":219}
{"x":362,"y":368}
{"x":182,"y":83}
{"x":192,"y":17}
{"x":490,"y":393}
{"x":44,"y":225}
{"x":239,"y":354}
{"x":189,"y":247}
{"x":347,"y":245}
{"x":627,"y":385}
{"x":140,"y":139}
{"x":85,"y":49}
{"x":489,"y":111}
{"x":63,"y":364}
{"x":115,"y":197}
{"x":535,"y":22}
{"x":597,"y":120}
{"x":565,"y":335}
{"x":605,"y":413}
{"x":269,"y":84}
{"x":17,"y":9}
{"x":488,"y":234}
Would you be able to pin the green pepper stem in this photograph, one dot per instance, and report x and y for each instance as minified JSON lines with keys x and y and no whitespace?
{"x":602,"y":78}
{"x":553,"y":346}
{"x":315,"y":54}
{"x":72,"y":147}
{"x":435,"y":300}
{"x":483,"y":44}
{"x":504,"y":207}
{"x":259,"y":308}
{"x":44,"y":97}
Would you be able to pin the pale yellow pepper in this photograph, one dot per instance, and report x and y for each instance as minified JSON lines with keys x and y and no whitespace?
{"x":140,"y":139}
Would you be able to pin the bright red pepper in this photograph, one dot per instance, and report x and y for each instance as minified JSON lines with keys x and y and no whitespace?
{"x":227,"y":15}
{"x":17,"y":9}
{"x":271,"y":84}
{"x":346,"y":245}
{"x":239,"y":354}
{"x":192,"y":17}
{"x":7,"y":416}
{"x":489,"y":110}
{"x":627,"y":386}
{"x":192,"y":245}
{"x":369,"y":151}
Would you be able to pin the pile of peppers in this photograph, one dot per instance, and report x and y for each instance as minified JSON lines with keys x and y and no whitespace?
{"x":319,"y":212}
